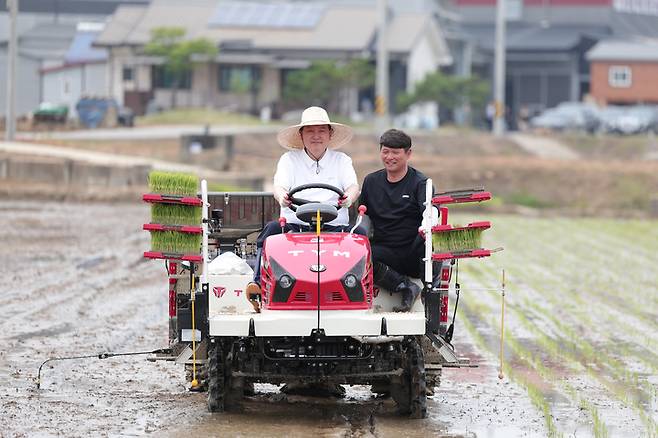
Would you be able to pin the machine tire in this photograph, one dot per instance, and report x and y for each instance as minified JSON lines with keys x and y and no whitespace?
{"x":216,"y":378}
{"x":224,"y":391}
{"x":410,"y":391}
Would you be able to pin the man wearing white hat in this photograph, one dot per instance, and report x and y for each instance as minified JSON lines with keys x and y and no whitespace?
{"x":312,"y":158}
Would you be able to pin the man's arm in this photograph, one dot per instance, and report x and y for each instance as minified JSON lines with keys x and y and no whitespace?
{"x":282,"y":181}
{"x":363,"y":196}
{"x":348,"y":179}
{"x":281,"y":196}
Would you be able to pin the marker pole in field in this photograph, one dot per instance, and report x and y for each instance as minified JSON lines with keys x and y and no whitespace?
{"x":499,"y":70}
{"x":502,"y":326}
{"x":12,"y":53}
{"x":381,"y":79}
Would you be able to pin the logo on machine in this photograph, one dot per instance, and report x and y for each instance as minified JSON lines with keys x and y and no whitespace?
{"x":219,"y":291}
{"x":318,"y":268}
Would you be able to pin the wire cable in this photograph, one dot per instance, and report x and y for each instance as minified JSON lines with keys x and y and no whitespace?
{"x":97,"y":356}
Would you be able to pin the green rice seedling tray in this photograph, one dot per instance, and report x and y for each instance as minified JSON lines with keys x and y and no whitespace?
{"x":175,"y":242}
{"x":176,"y":214}
{"x":449,"y":239}
{"x":173,"y":183}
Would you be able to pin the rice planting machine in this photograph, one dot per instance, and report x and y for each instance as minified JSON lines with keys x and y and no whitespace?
{"x":320,"y":318}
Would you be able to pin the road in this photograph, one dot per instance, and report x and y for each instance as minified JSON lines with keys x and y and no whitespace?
{"x":146,"y":132}
{"x":75,"y":284}
{"x":543,"y":147}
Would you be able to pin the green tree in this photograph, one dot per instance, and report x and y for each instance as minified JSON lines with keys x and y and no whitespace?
{"x":170,"y":44}
{"x":448,"y":91}
{"x":326,"y":82}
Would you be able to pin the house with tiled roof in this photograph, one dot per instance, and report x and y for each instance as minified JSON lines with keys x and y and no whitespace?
{"x":259,"y":44}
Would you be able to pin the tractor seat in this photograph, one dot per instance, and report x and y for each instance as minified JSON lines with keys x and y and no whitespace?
{"x":308,"y":212}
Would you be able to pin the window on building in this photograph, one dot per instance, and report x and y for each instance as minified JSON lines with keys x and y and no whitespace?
{"x":620,"y":76}
{"x":163,"y":78}
{"x":238,"y":78}
{"x":127,"y":74}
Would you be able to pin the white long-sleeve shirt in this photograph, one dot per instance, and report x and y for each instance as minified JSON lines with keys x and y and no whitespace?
{"x":296,"y":168}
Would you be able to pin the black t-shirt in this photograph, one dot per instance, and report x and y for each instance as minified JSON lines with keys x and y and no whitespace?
{"x":395,"y":209}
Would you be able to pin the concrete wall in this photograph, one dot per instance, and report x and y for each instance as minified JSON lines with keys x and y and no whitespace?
{"x":118,"y":58}
{"x":205,"y":91}
{"x":28,"y":85}
{"x":422,"y":60}
{"x":270,"y":85}
{"x":68,"y":174}
{"x":63,"y":172}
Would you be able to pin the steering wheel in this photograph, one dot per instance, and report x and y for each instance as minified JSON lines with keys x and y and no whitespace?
{"x":296,"y":202}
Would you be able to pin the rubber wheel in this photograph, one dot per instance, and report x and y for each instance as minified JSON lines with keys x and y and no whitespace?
{"x":224,"y":391}
{"x":410,"y":390}
{"x":216,"y":378}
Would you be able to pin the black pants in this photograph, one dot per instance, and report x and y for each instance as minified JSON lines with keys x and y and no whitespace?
{"x":272,"y":228}
{"x":405,"y":260}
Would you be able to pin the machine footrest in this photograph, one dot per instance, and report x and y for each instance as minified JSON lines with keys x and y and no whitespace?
{"x":172,"y":199}
{"x":173,"y":256}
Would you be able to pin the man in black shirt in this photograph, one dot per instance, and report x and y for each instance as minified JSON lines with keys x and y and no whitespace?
{"x":394,"y":197}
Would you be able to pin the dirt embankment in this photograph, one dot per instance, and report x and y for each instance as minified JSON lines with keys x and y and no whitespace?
{"x":600,"y":184}
{"x":468,"y":160}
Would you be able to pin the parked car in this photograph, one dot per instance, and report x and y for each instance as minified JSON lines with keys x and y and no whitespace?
{"x":568,"y":116}
{"x":609,"y":117}
{"x":631,"y":120}
{"x":550,"y":119}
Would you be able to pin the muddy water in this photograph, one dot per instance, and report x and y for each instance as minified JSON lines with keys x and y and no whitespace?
{"x":74,"y":283}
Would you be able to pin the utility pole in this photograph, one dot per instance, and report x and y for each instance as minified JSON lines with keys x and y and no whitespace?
{"x":381,"y":85}
{"x":499,"y":70}
{"x":10,"y":117}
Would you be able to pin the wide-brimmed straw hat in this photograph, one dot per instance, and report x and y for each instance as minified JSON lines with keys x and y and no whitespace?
{"x":290,"y":138}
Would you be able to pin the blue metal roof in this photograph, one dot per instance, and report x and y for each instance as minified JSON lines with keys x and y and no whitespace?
{"x":81,"y":50}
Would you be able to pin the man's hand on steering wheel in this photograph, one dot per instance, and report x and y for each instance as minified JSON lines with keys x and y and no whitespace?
{"x":282,"y":197}
{"x":344,"y":201}
{"x":296,"y":202}
{"x":285,"y":201}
